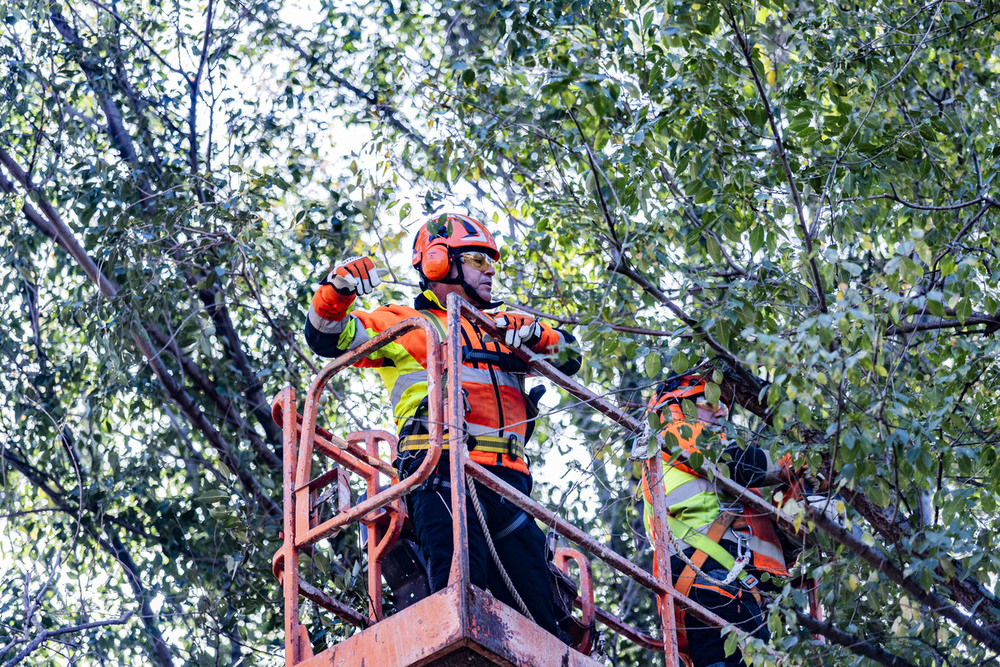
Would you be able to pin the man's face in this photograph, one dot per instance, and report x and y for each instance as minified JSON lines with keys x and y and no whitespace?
{"x":478,"y":272}
{"x":713,"y":415}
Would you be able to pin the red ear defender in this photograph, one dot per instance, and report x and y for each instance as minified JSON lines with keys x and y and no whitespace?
{"x":435,"y":263}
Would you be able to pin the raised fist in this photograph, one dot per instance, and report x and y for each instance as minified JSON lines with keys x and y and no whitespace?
{"x":355,"y":275}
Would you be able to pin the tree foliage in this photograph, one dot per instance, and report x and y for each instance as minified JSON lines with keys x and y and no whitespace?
{"x":800,"y":196}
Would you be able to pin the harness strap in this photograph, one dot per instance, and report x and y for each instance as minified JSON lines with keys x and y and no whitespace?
{"x":687,"y":576}
{"x":510,"y":446}
{"x":707,"y":545}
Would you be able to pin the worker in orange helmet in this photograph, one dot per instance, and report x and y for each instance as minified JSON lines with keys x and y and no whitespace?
{"x":721,"y":548}
{"x":455,"y":253}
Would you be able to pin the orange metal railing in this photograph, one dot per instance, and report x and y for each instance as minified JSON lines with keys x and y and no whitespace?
{"x":382,"y":509}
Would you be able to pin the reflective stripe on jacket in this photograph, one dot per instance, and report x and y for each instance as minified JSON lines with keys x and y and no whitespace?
{"x":492,"y":377}
{"x":693,"y":504}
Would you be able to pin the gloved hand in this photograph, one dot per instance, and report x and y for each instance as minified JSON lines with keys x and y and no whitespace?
{"x":832,"y":508}
{"x":519,"y":330}
{"x":355,"y":275}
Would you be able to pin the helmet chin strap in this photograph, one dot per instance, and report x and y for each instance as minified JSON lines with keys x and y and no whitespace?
{"x":475,"y":299}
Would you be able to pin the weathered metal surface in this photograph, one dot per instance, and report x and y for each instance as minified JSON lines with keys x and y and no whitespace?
{"x":562,"y":558}
{"x":435,"y":370}
{"x":459,"y":450}
{"x":288,"y":563}
{"x":329,"y":444}
{"x":661,"y":530}
{"x":459,"y":626}
{"x":501,"y":631}
{"x":415,"y":636}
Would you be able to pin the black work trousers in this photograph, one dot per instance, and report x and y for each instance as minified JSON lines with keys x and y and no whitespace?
{"x":519,"y":541}
{"x":733,"y":602}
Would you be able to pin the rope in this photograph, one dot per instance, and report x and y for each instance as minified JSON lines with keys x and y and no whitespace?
{"x":493,"y":551}
{"x":738,"y":566}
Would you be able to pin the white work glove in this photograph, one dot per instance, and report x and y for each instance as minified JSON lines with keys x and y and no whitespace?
{"x":355,"y":275}
{"x":519,"y":330}
{"x":832,"y":508}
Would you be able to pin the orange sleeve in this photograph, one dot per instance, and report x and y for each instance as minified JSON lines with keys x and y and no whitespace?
{"x":331,"y":304}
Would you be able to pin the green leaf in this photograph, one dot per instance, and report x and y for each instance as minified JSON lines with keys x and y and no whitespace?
{"x":713,"y":249}
{"x":756,"y":238}
{"x":652,"y":365}
{"x":963,"y":310}
{"x":712,"y":393}
{"x":679,"y":363}
{"x":213,"y":496}
{"x":731,"y":644}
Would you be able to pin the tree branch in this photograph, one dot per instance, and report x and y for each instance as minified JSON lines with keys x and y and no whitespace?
{"x":45,"y":635}
{"x":928,"y":323}
{"x":120,"y":137}
{"x":850,"y":642}
{"x":109,"y":288}
{"x":932,"y":601}
{"x":693,"y":218}
{"x":120,"y":554}
{"x":745,"y":50}
{"x":737,"y":364}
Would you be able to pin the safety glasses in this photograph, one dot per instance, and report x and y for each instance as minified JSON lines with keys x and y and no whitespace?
{"x":477,"y":260}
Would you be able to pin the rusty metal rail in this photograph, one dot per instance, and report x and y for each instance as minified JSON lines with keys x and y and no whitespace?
{"x":382,"y":509}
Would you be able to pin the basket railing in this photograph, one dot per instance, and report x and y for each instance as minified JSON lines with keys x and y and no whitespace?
{"x":381,"y":511}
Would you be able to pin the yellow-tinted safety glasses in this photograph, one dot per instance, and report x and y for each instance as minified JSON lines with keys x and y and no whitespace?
{"x":477,"y":260}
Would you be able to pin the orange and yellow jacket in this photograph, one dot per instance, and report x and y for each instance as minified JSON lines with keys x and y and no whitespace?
{"x":693,"y":503}
{"x":492,"y":377}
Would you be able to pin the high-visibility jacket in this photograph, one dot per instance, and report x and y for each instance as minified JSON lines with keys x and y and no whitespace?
{"x":492,"y":377}
{"x":693,"y":504}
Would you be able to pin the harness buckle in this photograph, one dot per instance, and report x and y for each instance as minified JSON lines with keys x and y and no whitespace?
{"x":742,"y":543}
{"x":512,"y":447}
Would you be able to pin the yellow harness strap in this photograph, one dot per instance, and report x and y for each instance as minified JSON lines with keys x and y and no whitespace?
{"x":483,"y":443}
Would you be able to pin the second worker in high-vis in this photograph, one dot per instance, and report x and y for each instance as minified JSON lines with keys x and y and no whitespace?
{"x":455,"y":253}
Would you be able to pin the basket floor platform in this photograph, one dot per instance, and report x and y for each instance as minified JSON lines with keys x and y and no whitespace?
{"x":456,"y":627}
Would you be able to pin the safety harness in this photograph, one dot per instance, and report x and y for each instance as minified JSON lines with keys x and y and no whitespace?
{"x":707,"y":545}
{"x":731,"y":521}
{"x":510,"y":445}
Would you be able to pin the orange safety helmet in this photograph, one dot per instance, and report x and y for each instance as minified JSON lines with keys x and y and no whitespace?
{"x":678,"y":387}
{"x":443,"y":237}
